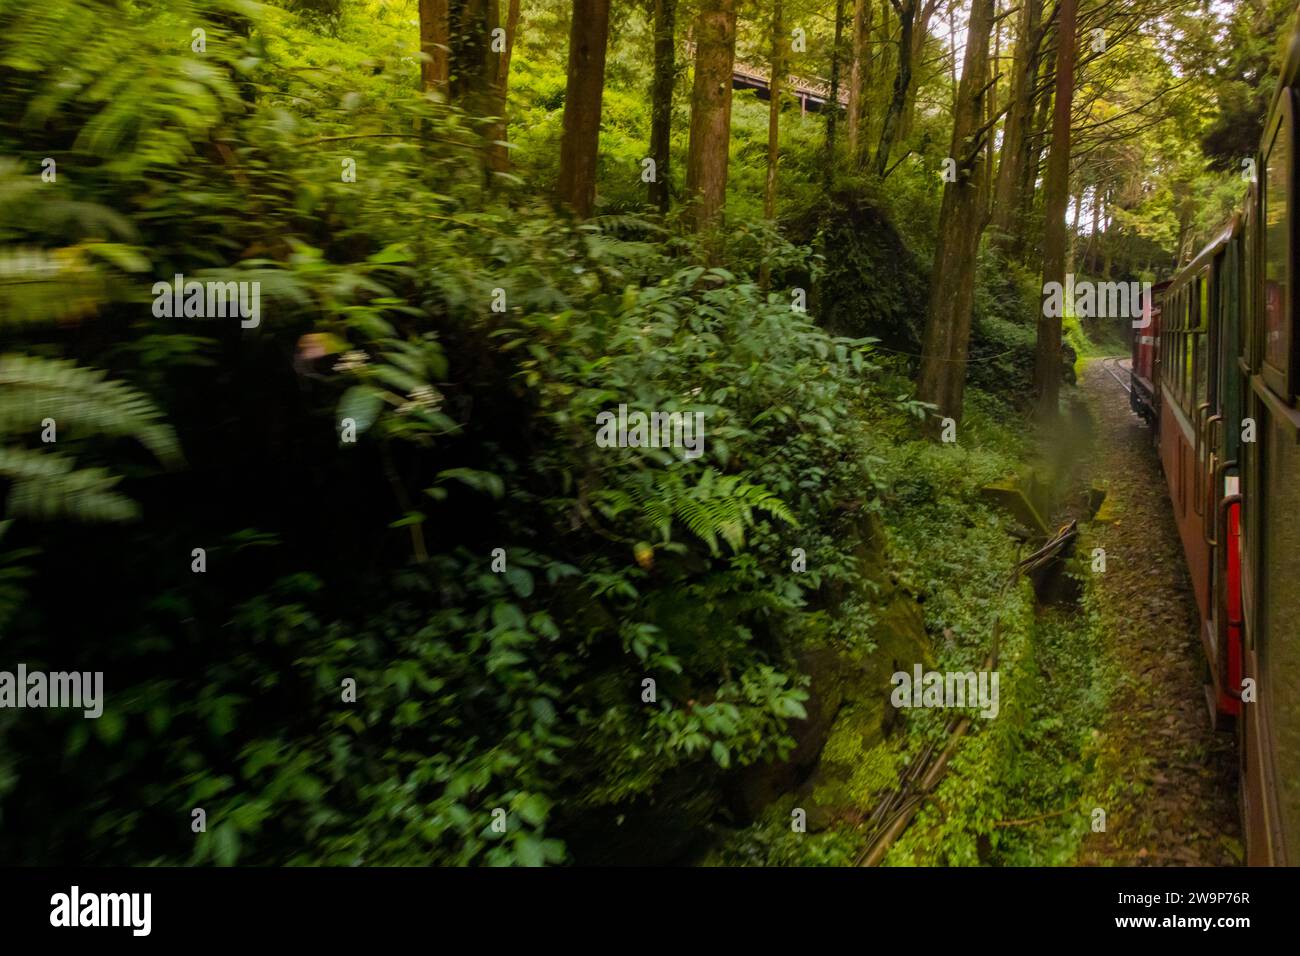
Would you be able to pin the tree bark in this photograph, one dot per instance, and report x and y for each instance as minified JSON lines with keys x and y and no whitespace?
{"x":833,"y":103}
{"x":775,"y":85}
{"x":579,"y":143}
{"x":706,"y":161}
{"x":1056,"y":195}
{"x":906,"y":10}
{"x":774,"y":110}
{"x":661,"y":100}
{"x":498,"y":153}
{"x":920,"y":33}
{"x":857,"y":68}
{"x":944,"y":347}
{"x":990,"y":118}
{"x":472,"y":65}
{"x":1015,"y":136}
{"x":435,"y":44}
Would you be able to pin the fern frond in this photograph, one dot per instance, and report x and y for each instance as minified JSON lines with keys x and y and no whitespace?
{"x":82,"y":400}
{"x":716,"y":506}
{"x":49,"y":485}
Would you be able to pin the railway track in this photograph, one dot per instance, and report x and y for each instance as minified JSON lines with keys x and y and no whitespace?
{"x":1123,"y":365}
{"x":896,"y":808}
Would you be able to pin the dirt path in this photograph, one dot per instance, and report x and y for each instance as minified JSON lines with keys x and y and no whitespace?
{"x":1166,"y":780}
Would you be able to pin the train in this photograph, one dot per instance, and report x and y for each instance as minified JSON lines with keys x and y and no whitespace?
{"x":1215,"y":372}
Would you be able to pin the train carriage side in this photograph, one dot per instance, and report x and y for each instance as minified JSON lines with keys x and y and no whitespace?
{"x":1143,"y":370}
{"x":1188,"y":413}
{"x":1268,"y":453}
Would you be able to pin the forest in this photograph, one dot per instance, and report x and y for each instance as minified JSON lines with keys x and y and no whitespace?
{"x":533,"y":432}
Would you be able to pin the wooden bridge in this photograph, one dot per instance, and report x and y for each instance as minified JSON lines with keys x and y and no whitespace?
{"x":812,"y":92}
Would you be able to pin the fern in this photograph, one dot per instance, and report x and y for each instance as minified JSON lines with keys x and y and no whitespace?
{"x":46,"y":484}
{"x":49,"y":485}
{"x":717,"y":506}
{"x":79,"y":399}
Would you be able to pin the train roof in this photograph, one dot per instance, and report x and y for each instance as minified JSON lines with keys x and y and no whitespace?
{"x":1208,"y":252}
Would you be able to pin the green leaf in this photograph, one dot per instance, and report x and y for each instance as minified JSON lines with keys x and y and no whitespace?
{"x":529,"y":850}
{"x":520,"y":580}
{"x":225,"y":841}
{"x":362,"y":404}
{"x":483,"y":481}
{"x":109,"y":726}
{"x":533,"y":809}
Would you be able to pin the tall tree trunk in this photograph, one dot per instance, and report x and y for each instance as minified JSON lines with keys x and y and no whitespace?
{"x":874,"y":92}
{"x":952,"y":63}
{"x":990,"y":117}
{"x":833,"y":102}
{"x":498,"y":152}
{"x":906,"y":10}
{"x":774,"y":110}
{"x":472,"y":64}
{"x":1056,"y":195}
{"x":1106,"y":248}
{"x":579,"y":144}
{"x":1025,"y":228}
{"x":857,"y":69}
{"x":435,"y":42}
{"x":661,"y":99}
{"x":1015,"y":136}
{"x":877,"y":90}
{"x":773,"y":124}
{"x":944,"y":348}
{"x":920,"y":33}
{"x":472,"y":69}
{"x":706,"y":160}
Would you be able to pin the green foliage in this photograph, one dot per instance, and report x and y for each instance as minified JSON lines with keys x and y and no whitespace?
{"x":499,"y":586}
{"x":514,"y":688}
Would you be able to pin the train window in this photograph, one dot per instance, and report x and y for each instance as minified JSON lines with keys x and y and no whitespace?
{"x":1200,"y":390}
{"x":1276,"y":307}
{"x":1247,"y":323}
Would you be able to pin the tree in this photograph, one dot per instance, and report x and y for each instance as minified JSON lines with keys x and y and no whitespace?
{"x":920,"y":34}
{"x":1056,"y":196}
{"x":774,"y":109}
{"x":661,"y":99}
{"x":961,"y":220}
{"x":579,"y":144}
{"x":472,"y":64}
{"x":498,"y":154}
{"x":833,"y":102}
{"x":462,"y":64}
{"x":906,"y":10}
{"x":434,"y":44}
{"x":706,"y":160}
{"x":1016,"y":130}
{"x":858,"y":66}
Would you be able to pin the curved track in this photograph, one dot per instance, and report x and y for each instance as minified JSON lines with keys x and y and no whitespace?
{"x":1123,"y":365}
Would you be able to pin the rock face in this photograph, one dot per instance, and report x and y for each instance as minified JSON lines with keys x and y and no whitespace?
{"x":839,"y":759}
{"x":841,"y":755}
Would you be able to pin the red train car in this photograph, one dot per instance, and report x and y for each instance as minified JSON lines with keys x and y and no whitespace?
{"x":1221,"y":384}
{"x":1144,"y":371}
